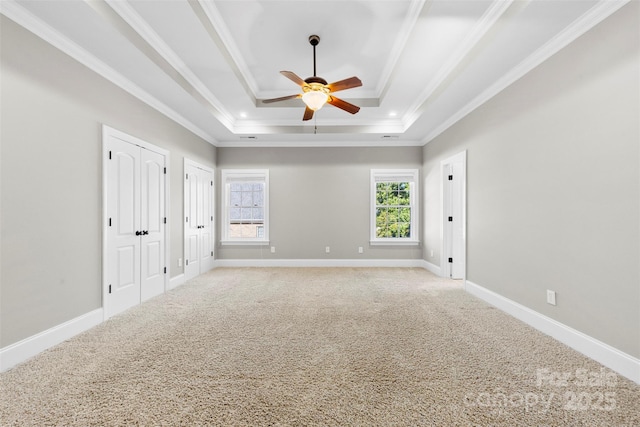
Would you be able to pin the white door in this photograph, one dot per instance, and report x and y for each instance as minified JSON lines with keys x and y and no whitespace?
{"x":192,"y":224}
{"x":123,"y":211}
{"x":206,"y":222}
{"x":135,"y":187}
{"x":198,"y":208}
{"x":152,"y":224}
{"x":454,"y":178}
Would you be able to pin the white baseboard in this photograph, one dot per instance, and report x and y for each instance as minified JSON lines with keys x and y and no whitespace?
{"x":176,"y":281}
{"x":319,"y":263}
{"x":23,"y":350}
{"x":435,"y":269}
{"x":616,"y":360}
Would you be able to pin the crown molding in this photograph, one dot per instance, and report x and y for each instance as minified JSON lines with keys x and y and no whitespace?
{"x":482,"y":27}
{"x":256,"y":142}
{"x":155,"y":45}
{"x":14,"y":11}
{"x":221,"y":36}
{"x":415,"y":8}
{"x":602,"y":10}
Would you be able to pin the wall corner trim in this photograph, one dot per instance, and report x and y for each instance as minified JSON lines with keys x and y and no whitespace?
{"x":614,"y":359}
{"x":21,"y":351}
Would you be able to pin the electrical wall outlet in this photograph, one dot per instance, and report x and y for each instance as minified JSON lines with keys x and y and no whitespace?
{"x":273,"y":249}
{"x":551,"y":297}
{"x":327,"y":249}
{"x":360,"y":250}
{"x":179,"y":262}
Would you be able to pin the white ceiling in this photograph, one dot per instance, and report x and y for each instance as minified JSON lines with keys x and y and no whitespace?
{"x":208,"y":64}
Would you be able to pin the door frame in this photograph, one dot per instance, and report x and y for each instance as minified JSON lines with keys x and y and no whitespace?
{"x":107,"y":133}
{"x":445,"y":195}
{"x":189,"y":162}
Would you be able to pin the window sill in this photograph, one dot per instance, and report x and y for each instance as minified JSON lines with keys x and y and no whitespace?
{"x":392,"y":242}
{"x":244,"y":242}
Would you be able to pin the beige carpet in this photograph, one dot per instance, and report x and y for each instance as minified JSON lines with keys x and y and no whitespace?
{"x":315,"y":347}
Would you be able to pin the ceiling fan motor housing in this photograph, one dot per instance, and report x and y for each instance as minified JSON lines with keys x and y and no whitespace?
{"x":315,"y":79}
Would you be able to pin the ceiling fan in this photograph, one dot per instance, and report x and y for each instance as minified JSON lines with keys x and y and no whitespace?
{"x":316,"y":91}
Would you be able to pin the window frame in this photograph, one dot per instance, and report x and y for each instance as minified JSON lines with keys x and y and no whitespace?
{"x":395,"y":175}
{"x":229,"y":176}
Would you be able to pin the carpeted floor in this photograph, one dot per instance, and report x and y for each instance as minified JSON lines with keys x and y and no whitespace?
{"x":315,"y":347}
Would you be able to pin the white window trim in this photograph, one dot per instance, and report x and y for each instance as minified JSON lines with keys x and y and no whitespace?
{"x":249,"y":175}
{"x":410,"y":175}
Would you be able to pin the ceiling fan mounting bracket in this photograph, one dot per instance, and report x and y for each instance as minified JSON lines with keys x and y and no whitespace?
{"x":314,"y":40}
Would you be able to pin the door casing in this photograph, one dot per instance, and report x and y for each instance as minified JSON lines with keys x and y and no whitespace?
{"x":454,"y":199}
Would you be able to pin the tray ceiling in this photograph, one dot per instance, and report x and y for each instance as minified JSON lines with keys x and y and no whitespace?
{"x":209,"y":64}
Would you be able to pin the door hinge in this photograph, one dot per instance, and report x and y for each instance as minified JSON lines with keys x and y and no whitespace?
{"x":109,"y":222}
{"x":186,"y":262}
{"x":450,"y":259}
{"x":109,"y":288}
{"x":211,"y":218}
{"x":187,"y":176}
{"x":186,"y":219}
{"x":211,"y":253}
{"x":165,"y":219}
{"x":450,"y":219}
{"x":450,"y":177}
{"x":212,"y":183}
{"x":165,"y":270}
{"x":109,"y":155}
{"x":165,"y":171}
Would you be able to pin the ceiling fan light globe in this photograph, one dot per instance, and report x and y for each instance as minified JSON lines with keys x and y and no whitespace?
{"x":315,"y":99}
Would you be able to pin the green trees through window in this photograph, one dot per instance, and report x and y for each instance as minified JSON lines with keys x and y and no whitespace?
{"x":393,"y":209}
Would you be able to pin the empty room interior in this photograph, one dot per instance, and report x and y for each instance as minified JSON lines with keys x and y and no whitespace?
{"x":393,"y":212}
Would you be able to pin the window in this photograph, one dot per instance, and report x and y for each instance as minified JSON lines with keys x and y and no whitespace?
{"x":394,"y":206}
{"x":246,"y":207}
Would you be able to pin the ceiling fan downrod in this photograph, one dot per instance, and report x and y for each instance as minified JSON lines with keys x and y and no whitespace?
{"x":314,"y":41}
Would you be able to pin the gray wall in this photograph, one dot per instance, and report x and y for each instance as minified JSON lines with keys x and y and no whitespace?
{"x":51,"y":175}
{"x":318,"y":197}
{"x":553,"y":186}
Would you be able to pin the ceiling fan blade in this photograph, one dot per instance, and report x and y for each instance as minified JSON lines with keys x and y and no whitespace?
{"x":308,"y":114}
{"x":344,"y":84}
{"x":282,"y":98}
{"x":343,"y":105}
{"x":293,"y":77}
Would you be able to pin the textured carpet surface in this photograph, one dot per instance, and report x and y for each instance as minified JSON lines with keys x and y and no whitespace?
{"x":315,"y":347}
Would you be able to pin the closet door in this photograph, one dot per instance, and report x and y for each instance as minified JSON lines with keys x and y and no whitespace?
{"x":206,"y":222}
{"x":135,"y":233}
{"x":123,"y":210}
{"x":192,"y":222}
{"x":198,"y":208}
{"x":152,"y":224}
